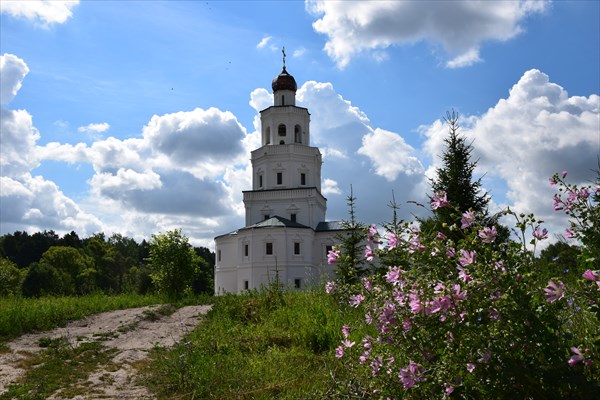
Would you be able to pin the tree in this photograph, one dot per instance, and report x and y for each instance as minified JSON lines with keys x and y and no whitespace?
{"x":10,"y":278}
{"x":349,"y":268}
{"x":77,"y":269}
{"x":172,"y":263}
{"x":455,"y":177}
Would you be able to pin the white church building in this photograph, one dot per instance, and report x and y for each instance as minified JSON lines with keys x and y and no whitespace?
{"x":286,"y":234}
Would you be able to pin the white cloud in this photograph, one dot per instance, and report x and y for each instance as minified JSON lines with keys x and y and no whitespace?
{"x":12,"y":72}
{"x":466,"y":59}
{"x":42,"y":12}
{"x":94,"y":128}
{"x":460,"y":27}
{"x":299,"y":52}
{"x":264,"y":42}
{"x":390,"y":154}
{"x":330,"y":186}
{"x":536,"y":131}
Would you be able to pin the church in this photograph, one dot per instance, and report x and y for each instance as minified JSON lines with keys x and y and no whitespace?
{"x":286,"y":236}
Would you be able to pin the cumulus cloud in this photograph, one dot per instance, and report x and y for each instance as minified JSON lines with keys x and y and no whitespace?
{"x":373,"y":162}
{"x":12,"y":72}
{"x":390,"y":154}
{"x":460,"y":27}
{"x":536,"y":131}
{"x":42,"y":12}
{"x":26,"y":201}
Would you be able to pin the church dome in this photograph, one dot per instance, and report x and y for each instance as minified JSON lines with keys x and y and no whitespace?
{"x":284,"y":81}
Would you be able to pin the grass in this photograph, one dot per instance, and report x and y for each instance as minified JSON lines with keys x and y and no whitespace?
{"x":20,"y":315}
{"x":255,"y":346}
{"x":59,"y":368}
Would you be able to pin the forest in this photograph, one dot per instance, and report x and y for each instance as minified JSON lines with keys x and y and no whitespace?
{"x":45,"y":263}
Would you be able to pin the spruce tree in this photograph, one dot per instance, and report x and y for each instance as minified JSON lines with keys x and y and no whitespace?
{"x":455,"y":177}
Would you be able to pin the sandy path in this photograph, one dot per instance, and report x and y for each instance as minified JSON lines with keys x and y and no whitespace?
{"x":129,"y":331}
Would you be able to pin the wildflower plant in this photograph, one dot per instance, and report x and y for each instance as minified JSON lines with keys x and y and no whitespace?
{"x":468,"y":317}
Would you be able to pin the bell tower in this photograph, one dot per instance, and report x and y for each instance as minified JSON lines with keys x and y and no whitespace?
{"x":286,"y":170}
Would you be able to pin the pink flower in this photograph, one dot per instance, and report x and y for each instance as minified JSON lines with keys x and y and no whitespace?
{"x":410,"y":375}
{"x":467,"y":219}
{"x":369,"y":253}
{"x":570,"y":233}
{"x":392,"y":240}
{"x":332,"y":256}
{"x":564,"y":174}
{"x":329,"y":287}
{"x":448,"y":388}
{"x":367,"y":284}
{"x":393,"y":275}
{"x":470,"y":367}
{"x":554,"y":291}
{"x":540,"y":234}
{"x":576,"y":357}
{"x":440,"y":235}
{"x":558,"y":205}
{"x":356,"y":300}
{"x":375,"y":365}
{"x":590,"y":275}
{"x":347,"y":343}
{"x":339,"y":352}
{"x":345,"y":331}
{"x":552,"y":182}
{"x":450,"y":252}
{"x":462,"y":274}
{"x":488,"y":235}
{"x":466,"y":257}
{"x":373,"y":234}
{"x":583,"y":194}
{"x":439,"y":200}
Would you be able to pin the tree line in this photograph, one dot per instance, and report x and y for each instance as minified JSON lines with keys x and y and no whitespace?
{"x":44,"y":263}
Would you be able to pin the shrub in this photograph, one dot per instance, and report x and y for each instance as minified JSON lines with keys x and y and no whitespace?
{"x":467,"y":317}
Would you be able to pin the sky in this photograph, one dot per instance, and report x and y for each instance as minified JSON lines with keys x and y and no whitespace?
{"x":138,"y":117}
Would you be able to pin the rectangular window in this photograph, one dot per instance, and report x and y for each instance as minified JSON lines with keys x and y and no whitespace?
{"x":303,"y":179}
{"x":293,"y":217}
{"x":296,"y":248}
{"x":267,"y":216}
{"x":298,"y":283}
{"x":218,"y":255}
{"x":260,"y":182}
{"x":269,"y":249}
{"x":246,"y":285}
{"x":280,"y":178}
{"x":245,"y":250}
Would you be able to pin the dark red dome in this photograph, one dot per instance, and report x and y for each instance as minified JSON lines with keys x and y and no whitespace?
{"x":284,"y":81}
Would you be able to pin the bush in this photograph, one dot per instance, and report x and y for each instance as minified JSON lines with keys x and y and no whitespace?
{"x":467,"y":317}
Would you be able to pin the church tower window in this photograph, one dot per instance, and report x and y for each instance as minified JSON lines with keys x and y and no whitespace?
{"x":297,"y":248}
{"x":303,"y":179}
{"x":297,"y":134}
{"x":269,"y":248}
{"x":281,"y":130}
{"x":280,"y":178}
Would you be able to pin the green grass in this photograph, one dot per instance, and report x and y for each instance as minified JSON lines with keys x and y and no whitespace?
{"x":20,"y":315}
{"x":256,"y":346}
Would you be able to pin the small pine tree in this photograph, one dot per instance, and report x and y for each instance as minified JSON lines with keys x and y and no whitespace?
{"x":455,"y":177}
{"x":349,"y":267}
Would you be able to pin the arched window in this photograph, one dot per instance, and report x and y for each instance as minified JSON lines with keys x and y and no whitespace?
{"x":268,"y":135}
{"x":281,"y":130}
{"x":282,"y":100}
{"x":297,"y":134}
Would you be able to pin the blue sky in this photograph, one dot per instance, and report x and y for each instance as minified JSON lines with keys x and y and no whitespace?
{"x":138,"y":116}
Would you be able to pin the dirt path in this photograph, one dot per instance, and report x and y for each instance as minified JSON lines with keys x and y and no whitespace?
{"x":131,"y":333}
